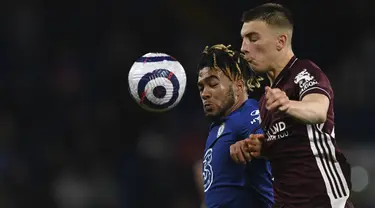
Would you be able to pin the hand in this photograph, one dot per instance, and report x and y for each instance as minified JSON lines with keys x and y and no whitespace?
{"x":240,"y":152}
{"x":254,"y":143}
{"x":276,"y":100}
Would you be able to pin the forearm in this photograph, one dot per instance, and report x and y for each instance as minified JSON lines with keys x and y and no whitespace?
{"x":309,"y":112}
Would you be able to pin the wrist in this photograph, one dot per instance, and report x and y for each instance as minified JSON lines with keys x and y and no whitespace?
{"x":291,"y":106}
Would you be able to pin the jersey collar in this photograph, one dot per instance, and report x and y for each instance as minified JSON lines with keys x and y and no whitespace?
{"x":284,"y":71}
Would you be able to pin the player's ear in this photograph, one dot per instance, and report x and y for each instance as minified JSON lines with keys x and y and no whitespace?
{"x":281,"y":41}
{"x":240,"y":85}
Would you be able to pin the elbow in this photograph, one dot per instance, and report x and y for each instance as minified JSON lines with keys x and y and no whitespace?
{"x":320,"y":114}
{"x":321,"y":118}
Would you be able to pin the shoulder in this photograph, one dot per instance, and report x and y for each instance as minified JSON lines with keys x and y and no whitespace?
{"x":251,"y":104}
{"x":307,"y":63}
{"x":248,"y":118}
{"x":305,"y":68}
{"x":250,"y":108}
{"x":308,"y":78}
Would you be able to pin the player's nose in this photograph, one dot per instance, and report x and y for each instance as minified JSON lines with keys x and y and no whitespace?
{"x":244,"y":48}
{"x":205,"y":94}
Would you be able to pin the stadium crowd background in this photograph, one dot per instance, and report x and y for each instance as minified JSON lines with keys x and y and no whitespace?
{"x":72,"y":137}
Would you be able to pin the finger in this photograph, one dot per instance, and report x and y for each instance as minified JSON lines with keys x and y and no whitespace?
{"x":255,"y":154}
{"x":255,"y":136}
{"x":267,"y":89}
{"x":242,"y":158}
{"x":275,"y":94}
{"x":268,"y":93}
{"x":233,"y":153}
{"x":275,"y":105}
{"x":271,"y":90}
{"x":251,"y":142}
{"x":269,"y":101}
{"x":244,"y":145}
{"x":259,"y":137}
{"x":237,"y":155}
{"x":255,"y":144}
{"x":273,"y":97}
{"x":280,"y":102}
{"x":252,"y":137}
{"x":255,"y":150}
{"x":246,"y":152}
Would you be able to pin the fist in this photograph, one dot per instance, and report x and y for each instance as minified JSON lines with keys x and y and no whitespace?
{"x":276,"y":100}
{"x":254,"y":142}
{"x":241,"y":152}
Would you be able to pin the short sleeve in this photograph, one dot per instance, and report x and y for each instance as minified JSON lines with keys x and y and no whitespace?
{"x":311,"y":79}
{"x":251,"y":124}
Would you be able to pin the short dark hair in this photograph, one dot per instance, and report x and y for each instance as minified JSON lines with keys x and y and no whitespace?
{"x":232,"y":63}
{"x":273,"y":14}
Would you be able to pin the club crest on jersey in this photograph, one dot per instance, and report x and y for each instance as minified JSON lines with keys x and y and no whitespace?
{"x":305,"y":80}
{"x":220,"y":130}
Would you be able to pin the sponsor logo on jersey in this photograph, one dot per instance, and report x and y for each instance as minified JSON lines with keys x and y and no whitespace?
{"x":208,"y":173}
{"x":277,"y":131}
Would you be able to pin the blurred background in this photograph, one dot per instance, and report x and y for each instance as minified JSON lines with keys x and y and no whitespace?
{"x":72,"y":137}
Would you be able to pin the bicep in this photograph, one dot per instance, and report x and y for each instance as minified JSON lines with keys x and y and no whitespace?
{"x":320,"y":101}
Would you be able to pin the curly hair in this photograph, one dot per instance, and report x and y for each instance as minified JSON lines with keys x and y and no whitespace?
{"x":232,"y":63}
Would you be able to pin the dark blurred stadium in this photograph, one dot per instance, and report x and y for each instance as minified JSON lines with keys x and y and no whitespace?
{"x":72,"y":137}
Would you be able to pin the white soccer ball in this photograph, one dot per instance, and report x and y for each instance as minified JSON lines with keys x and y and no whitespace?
{"x":157,"y":82}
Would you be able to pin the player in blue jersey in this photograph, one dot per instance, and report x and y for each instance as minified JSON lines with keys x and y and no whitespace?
{"x":224,"y":93}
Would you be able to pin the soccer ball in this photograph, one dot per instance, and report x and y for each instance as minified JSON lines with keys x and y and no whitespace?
{"x":157,"y":82}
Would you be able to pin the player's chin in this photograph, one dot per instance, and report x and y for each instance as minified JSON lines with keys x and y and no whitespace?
{"x":210,"y":112}
{"x":257,"y":68}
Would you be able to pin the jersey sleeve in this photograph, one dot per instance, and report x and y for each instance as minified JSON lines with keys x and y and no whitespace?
{"x":311,"y":79}
{"x":250,"y":124}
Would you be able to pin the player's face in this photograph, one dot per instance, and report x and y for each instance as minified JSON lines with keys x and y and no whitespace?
{"x":258,"y":44}
{"x":216,"y":92}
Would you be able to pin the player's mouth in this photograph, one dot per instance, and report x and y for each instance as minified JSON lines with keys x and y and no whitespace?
{"x":207,"y":106}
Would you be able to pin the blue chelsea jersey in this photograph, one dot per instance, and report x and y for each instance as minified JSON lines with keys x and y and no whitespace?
{"x":226,"y":183}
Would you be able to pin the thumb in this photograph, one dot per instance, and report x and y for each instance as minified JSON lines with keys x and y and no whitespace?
{"x":260,"y":137}
{"x":256,"y":136}
{"x":267,"y":88}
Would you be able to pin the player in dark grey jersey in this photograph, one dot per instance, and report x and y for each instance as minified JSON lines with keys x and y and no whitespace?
{"x":297,"y":117}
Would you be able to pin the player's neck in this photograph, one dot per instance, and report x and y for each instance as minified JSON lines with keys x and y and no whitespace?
{"x":280,"y":64}
{"x":240,"y":101}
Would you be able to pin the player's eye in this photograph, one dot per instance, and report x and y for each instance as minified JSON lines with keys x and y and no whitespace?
{"x":213,"y":84}
{"x":253,"y":39}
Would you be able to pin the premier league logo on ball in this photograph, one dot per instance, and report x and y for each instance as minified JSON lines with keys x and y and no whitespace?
{"x":157,"y":82}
